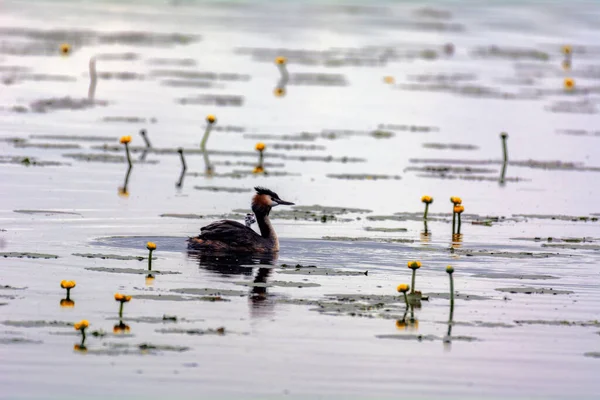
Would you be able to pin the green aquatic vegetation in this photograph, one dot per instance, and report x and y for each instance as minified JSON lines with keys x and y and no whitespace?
{"x":129,"y":120}
{"x":594,"y":323}
{"x":366,"y":239}
{"x":457,"y":295}
{"x":450,"y":146}
{"x":130,"y":271}
{"x":234,"y":216}
{"x":18,"y":340}
{"x":361,"y":177}
{"x":278,"y":284}
{"x":504,"y":254}
{"x":387,"y":230}
{"x":48,"y":146}
{"x":27,"y":255}
{"x":210,"y":292}
{"x":111,"y":256}
{"x":320,"y":271}
{"x":559,"y":217}
{"x":199,"y":332}
{"x":500,"y":275}
{"x":427,"y":338}
{"x":593,"y":354}
{"x":38,"y":324}
{"x":173,"y":297}
{"x":572,"y":246}
{"x":532,"y":290}
{"x":222,"y":189}
{"x":29,"y":161}
{"x":151,"y":320}
{"x":105,"y":158}
{"x":46,"y":212}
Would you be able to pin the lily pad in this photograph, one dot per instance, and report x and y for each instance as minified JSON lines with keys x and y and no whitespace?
{"x":200,"y":332}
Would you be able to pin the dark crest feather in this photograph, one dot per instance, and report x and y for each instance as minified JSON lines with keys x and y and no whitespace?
{"x":262,"y":190}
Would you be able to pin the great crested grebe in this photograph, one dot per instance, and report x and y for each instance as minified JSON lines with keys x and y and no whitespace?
{"x":231,"y":236}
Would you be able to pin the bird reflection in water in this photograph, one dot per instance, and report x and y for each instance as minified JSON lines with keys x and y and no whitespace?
{"x":231,"y":265}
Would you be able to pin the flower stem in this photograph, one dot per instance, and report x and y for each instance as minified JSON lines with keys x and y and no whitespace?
{"x":68,"y":294}
{"x":453,"y":223}
{"x":150,"y":261}
{"x":205,"y":137}
{"x":426,"y":210}
{"x":82,"y":336}
{"x":260,"y":158}
{"x":458,"y":229}
{"x":412,"y":283}
{"x":121,"y":310}
{"x":505,"y":147}
{"x":405,"y":299}
{"x":128,"y":155}
{"x":451,"y":298}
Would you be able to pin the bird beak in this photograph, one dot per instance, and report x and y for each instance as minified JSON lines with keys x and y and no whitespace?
{"x":284,"y":203}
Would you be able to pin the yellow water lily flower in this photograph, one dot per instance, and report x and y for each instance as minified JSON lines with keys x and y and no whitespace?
{"x":449,"y":269}
{"x":566,"y":49}
{"x":258,"y":170}
{"x":414,"y":264}
{"x":125,"y":139}
{"x":121,"y":328}
{"x":67,"y":284}
{"x":260,"y":146}
{"x":81,"y":325}
{"x":459,"y":209}
{"x":211,"y":119}
{"x":122,"y":298}
{"x":151,"y":246}
{"x":427,"y":199}
{"x":455,"y":200}
{"x":569,"y":83}
{"x":280,"y":60}
{"x":403,"y":288}
{"x":65,"y":48}
{"x":279,"y":92}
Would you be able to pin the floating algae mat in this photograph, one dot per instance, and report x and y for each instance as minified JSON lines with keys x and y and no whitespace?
{"x":405,"y":102}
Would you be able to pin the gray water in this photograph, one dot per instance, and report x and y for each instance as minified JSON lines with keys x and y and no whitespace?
{"x":526,"y":313}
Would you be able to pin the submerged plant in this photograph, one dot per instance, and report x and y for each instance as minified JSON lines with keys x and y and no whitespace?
{"x":121,"y":298}
{"x":151,"y":247}
{"x":414,"y":265}
{"x":211,"y":120}
{"x":93,"y":79}
{"x":144,"y":135}
{"x":68,"y":285}
{"x":403,"y":288}
{"x":427,"y":200}
{"x":281,"y":64}
{"x":126,"y":140}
